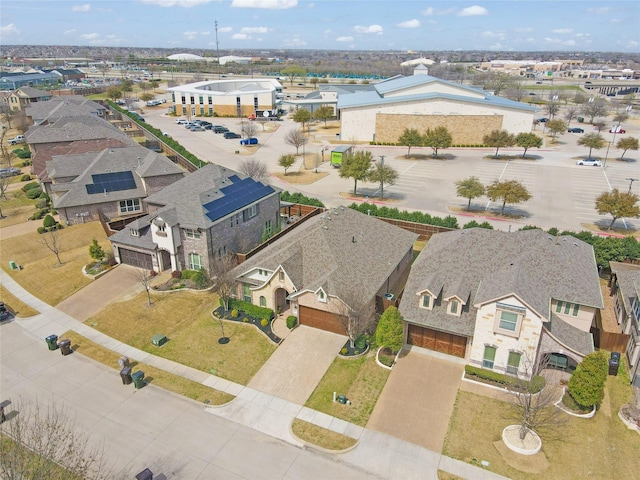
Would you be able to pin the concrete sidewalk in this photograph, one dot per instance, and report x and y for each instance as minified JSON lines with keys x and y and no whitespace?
{"x":379,"y":454}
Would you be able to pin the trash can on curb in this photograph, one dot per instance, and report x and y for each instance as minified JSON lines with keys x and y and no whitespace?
{"x":342,"y":399}
{"x":138,"y":379}
{"x":52,"y":342}
{"x":65,"y":346}
{"x":580,"y":119}
{"x":125,"y":374}
{"x":123,"y":362}
{"x":146,"y":474}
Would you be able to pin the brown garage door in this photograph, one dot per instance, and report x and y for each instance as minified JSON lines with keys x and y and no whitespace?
{"x":136,"y":259}
{"x":436,"y":340}
{"x":321,"y":319}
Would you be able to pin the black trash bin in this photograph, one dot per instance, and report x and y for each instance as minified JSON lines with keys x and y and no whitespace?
{"x":125,"y":374}
{"x":123,"y":362}
{"x":65,"y":346}
{"x":52,"y":342}
{"x":138,"y":379}
{"x":615,"y":356}
{"x":613,"y":367}
{"x":146,"y":474}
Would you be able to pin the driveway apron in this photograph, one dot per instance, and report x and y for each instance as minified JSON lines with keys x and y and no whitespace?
{"x":298,"y":364}
{"x":417,"y":400}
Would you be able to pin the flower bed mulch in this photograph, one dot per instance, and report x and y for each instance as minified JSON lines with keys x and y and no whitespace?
{"x":348,"y":351}
{"x":386,"y":357}
{"x":220,"y":312}
{"x":177,"y":284}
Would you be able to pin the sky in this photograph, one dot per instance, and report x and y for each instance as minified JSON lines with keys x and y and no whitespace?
{"x":507,"y":25}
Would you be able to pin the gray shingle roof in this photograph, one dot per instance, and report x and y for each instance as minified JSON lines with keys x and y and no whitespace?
{"x":341,"y":250}
{"x":628,"y":276}
{"x":570,"y":336}
{"x":58,"y":107}
{"x":144,"y":240}
{"x":72,"y":128}
{"x":491,"y":264}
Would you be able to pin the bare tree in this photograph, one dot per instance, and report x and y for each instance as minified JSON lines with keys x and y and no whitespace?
{"x":570,"y":113}
{"x":45,"y":443}
{"x":354,"y":316}
{"x":144,"y":278}
{"x":51,"y":240}
{"x":295,"y":138}
{"x":224,"y":281}
{"x":249,"y":129}
{"x":254,"y":169}
{"x":5,"y":154}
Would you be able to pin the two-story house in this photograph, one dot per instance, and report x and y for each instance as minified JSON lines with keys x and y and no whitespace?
{"x":209,"y":213}
{"x":503,"y":300}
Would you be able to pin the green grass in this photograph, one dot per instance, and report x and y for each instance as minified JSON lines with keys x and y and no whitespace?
{"x":361,"y":380}
{"x":321,"y":437}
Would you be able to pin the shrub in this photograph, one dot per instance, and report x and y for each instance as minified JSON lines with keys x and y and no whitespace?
{"x":245,"y":320}
{"x":361,"y":342}
{"x":34,"y":193}
{"x":250,"y":309}
{"x":291,"y":321}
{"x":25,"y":178}
{"x":586,"y":385}
{"x":26,"y":163}
{"x":95,"y":251}
{"x":344,"y":351}
{"x":200,"y":278}
{"x":176,"y":274}
{"x":42,"y":203}
{"x":39,"y":214}
{"x":389,"y":330}
{"x":48,"y":221}
{"x":29,"y":186}
{"x":112,"y":261}
{"x":41,"y":230}
{"x":264,"y":322}
{"x":234,"y":313}
{"x":537,"y":382}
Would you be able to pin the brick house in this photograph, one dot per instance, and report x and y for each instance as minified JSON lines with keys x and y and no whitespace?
{"x":498,"y":298}
{"x":22,"y":97}
{"x":67,"y":106}
{"x":207,"y":214}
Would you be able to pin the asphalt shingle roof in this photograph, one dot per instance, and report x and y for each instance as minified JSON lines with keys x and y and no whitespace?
{"x":628,"y":276}
{"x":574,"y":338}
{"x":72,"y":128}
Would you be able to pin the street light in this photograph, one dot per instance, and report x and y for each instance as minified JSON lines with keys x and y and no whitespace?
{"x":631,"y":180}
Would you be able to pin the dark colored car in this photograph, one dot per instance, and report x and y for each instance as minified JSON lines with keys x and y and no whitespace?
{"x":249,"y":141}
{"x":231,"y":135}
{"x":543,"y":120}
{"x":9,"y":172}
{"x":575,"y":130}
{"x":204,"y":123}
{"x":220,"y":129}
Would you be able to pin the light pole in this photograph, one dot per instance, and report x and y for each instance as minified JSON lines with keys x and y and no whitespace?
{"x":631,"y":180}
{"x":606,"y":155}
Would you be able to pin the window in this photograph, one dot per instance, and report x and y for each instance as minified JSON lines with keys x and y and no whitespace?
{"x":508,"y":320}
{"x":252,"y":211}
{"x":426,"y":301}
{"x":191,"y":233}
{"x":453,"y":307}
{"x":576,"y":309}
{"x":321,"y":296}
{"x":268,"y":228}
{"x":132,"y":205}
{"x":246,"y":292}
{"x":195,"y":262}
{"x":263,"y":301}
{"x":489,"y":356}
{"x":567,"y":308}
{"x":513,"y":363}
{"x":636,"y":308}
{"x":281,"y":276}
{"x":235,"y":219}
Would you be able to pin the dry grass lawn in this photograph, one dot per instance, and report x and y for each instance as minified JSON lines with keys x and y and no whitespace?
{"x":160,"y":378}
{"x":601,"y":447}
{"x":361,"y":380}
{"x":19,"y":308}
{"x":302,"y":177}
{"x":41,"y":274}
{"x":321,"y":437}
{"x":192,"y":332}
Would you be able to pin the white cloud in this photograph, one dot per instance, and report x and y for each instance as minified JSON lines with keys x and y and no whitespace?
{"x":632,"y":44}
{"x":295,"y":42}
{"x":494,"y":34}
{"x":177,"y":3}
{"x":190,"y":35}
{"x":89,"y":36}
{"x":377,"y":29}
{"x":561,"y":31}
{"x":225,"y":29}
{"x":239,"y":36}
{"x":254,"y":30}
{"x":428,"y":12}
{"x":523,"y":29}
{"x":413,"y":23}
{"x":473,"y":11}
{"x":344,"y":39}
{"x":67,"y":32}
{"x":327,"y":32}
{"x":266,"y":4}
{"x":599,"y":10}
{"x":583,"y":35}
{"x":9,"y":30}
{"x":81,"y":8}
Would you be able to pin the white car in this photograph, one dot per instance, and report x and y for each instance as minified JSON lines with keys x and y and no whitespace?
{"x":591,"y":162}
{"x":181,"y":121}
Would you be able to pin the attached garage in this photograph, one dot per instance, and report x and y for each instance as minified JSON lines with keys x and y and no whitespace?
{"x":431,"y":339}
{"x":320,"y":319}
{"x":136,"y":259}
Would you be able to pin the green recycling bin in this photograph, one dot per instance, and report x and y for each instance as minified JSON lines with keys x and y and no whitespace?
{"x":138,"y":379}
{"x":52,"y":342}
{"x":580,"y":119}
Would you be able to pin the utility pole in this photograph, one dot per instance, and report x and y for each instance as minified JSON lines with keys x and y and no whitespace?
{"x":217,"y":48}
{"x":631,"y":180}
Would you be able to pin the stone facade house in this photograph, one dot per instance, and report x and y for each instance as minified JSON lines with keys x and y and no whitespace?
{"x":24,"y":96}
{"x":67,"y":106}
{"x":209,"y":213}
{"x":503,"y":300}
{"x":341,"y":257}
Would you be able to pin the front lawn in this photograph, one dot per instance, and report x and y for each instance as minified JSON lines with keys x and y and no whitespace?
{"x":601,"y":447}
{"x":361,"y":380}
{"x":185,"y":318}
{"x":18,"y":307}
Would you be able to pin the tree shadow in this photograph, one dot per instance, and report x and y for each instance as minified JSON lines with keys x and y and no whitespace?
{"x":510,"y":213}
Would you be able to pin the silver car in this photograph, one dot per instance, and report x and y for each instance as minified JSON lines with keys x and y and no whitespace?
{"x":591,"y":162}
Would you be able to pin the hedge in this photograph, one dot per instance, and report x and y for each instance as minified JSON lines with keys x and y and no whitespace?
{"x":250,"y":309}
{"x":537,"y":382}
{"x":301,"y":199}
{"x":417,"y":217}
{"x":586,"y":385}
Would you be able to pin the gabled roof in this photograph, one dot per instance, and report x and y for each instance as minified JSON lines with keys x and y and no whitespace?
{"x":628,"y":278}
{"x":30,"y":92}
{"x":571,"y":337}
{"x":531,"y":264}
{"x":72,"y":128}
{"x":58,"y":107}
{"x":347,"y":253}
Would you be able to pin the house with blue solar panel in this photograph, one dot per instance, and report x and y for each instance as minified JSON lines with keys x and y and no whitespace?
{"x":111,"y":183}
{"x":210,"y":213}
{"x":421,"y":101}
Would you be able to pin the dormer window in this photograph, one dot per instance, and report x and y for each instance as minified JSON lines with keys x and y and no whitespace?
{"x":454,"y":307}
{"x":427,"y":301}
{"x":322,"y":297}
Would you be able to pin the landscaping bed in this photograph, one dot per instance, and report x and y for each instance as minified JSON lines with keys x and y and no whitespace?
{"x":259,"y":317}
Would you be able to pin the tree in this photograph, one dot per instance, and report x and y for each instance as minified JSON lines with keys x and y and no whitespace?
{"x":146,"y":96}
{"x":45,"y":443}
{"x":95,"y":251}
{"x":470,"y":188}
{"x":410,"y":138}
{"x":254,"y":169}
{"x":302,"y":116}
{"x":114,"y":93}
{"x":499,"y":139}
{"x":618,"y":204}
{"x":597,"y":108}
{"x":383,"y":174}
{"x":552,"y":108}
{"x":323,"y":114}
{"x":509,"y":191}
{"x":356,"y":166}
{"x":223,"y":279}
{"x":144,"y":278}
{"x":527,"y":140}
{"x":354,"y":316}
{"x":295,"y":138}
{"x":286,"y":161}
{"x":249,"y":129}
{"x":154,"y":84}
{"x":389,"y":332}
{"x":570,"y":113}
{"x":555,"y":127}
{"x":592,"y":140}
{"x":144,"y":86}
{"x":620,"y":117}
{"x":586,"y":385}
{"x":627,"y":143}
{"x":52,"y":241}
{"x":314,"y":82}
{"x":293,"y":72}
{"x":437,"y":138}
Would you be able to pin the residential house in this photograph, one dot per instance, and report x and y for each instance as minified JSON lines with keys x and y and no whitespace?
{"x":503,"y":300}
{"x":625,"y":288}
{"x":22,"y":97}
{"x":330,"y":261}
{"x":65,"y":106}
{"x":112,"y":183}
{"x":211,"y":212}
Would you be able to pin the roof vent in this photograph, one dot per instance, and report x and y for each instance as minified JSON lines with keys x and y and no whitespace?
{"x":353,"y":239}
{"x":325,"y":227}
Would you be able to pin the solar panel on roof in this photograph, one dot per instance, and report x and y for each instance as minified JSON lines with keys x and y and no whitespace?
{"x":236,"y":196}
{"x":111,"y":182}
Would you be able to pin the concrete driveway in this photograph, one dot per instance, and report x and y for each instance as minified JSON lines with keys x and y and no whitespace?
{"x":298,"y":364}
{"x":117,"y":285}
{"x":417,"y":401}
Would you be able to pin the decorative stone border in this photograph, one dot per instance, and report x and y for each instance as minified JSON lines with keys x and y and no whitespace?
{"x":93,"y":277}
{"x":353,"y":357}
{"x":628,"y":424}
{"x":521,"y":451}
{"x":184,"y":289}
{"x":382,"y":364}
{"x":558,"y":404}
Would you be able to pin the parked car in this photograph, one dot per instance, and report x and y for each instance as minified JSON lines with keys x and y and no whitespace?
{"x":9,"y":172}
{"x":204,"y":123}
{"x":188,"y":125}
{"x":220,"y":129}
{"x":538,"y":82}
{"x":249,"y":141}
{"x":617,"y":130}
{"x":231,"y":135}
{"x":543,"y":120}
{"x":196,"y":128}
{"x":181,"y":121}
{"x":4,"y":311}
{"x":17,"y":139}
{"x":575,"y":130}
{"x":591,"y":162}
